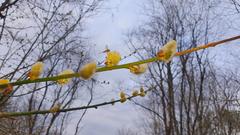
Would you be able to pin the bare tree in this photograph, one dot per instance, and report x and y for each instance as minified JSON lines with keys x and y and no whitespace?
{"x":236,"y":4}
{"x":180,"y":104}
{"x":127,"y":131}
{"x":50,"y":31}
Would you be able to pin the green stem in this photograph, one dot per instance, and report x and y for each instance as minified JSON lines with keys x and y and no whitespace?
{"x":101,"y":69}
{"x":126,"y":65}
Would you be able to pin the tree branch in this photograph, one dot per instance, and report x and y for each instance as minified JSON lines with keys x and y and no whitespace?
{"x":17,"y":114}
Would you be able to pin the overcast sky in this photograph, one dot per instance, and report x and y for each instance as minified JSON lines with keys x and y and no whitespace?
{"x":109,"y":28}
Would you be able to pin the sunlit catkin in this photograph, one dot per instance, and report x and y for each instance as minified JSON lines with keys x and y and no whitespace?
{"x":112,"y":58}
{"x":167,"y":51}
{"x":67,"y":80}
{"x":36,"y":71}
{"x":122,"y":97}
{"x":88,"y":70}
{"x":138,"y":69}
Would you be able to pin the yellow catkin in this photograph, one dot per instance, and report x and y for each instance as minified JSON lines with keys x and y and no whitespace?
{"x":122,"y":97}
{"x":36,"y":71}
{"x":142,"y":92}
{"x":88,"y":70}
{"x":122,"y":94}
{"x":167,"y":51}
{"x":8,"y":89}
{"x":112,"y":58}
{"x":55,"y":108}
{"x":3,"y":81}
{"x":67,"y":80}
{"x":135,"y":93}
{"x":122,"y":100}
{"x":138,"y":69}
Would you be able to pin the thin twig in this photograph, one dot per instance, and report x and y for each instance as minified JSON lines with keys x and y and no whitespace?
{"x":17,"y":114}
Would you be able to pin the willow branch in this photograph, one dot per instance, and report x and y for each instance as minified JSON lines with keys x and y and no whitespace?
{"x":102,"y":69}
